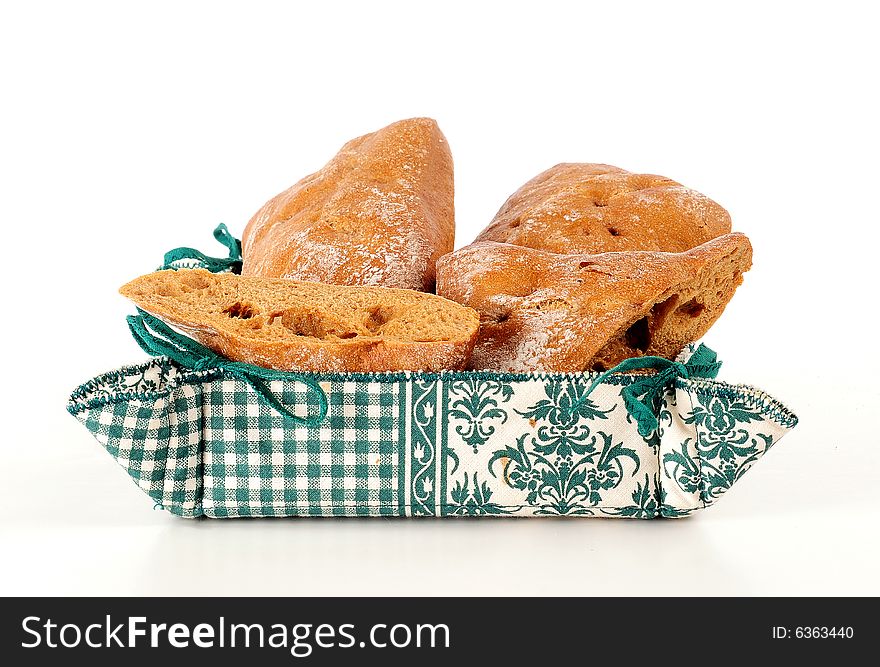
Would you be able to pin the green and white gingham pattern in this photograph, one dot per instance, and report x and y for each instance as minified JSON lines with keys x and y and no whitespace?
{"x":154,"y":433}
{"x":418,"y":444}
{"x":256,"y":463}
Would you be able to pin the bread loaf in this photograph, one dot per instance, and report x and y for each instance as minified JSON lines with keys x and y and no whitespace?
{"x":593,"y":208}
{"x":541,"y":311}
{"x":379,"y":213}
{"x":289,"y":325}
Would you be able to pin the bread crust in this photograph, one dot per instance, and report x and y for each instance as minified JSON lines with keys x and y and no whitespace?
{"x":542,"y":311}
{"x":294,"y":325}
{"x":379,"y":213}
{"x":592,"y":208}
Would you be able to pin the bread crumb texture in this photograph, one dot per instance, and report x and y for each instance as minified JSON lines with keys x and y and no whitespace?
{"x":295,"y":325}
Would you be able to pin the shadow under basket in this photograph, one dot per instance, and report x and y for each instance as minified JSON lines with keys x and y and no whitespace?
{"x":469,"y":443}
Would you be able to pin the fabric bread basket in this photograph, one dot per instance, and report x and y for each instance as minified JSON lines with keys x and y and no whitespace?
{"x":203,"y":436}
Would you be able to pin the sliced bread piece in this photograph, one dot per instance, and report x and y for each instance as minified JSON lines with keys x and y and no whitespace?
{"x":541,"y":311}
{"x":591,"y":208}
{"x":289,"y":325}
{"x":379,"y":213}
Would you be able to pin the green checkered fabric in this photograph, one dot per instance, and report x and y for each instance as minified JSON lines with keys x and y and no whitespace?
{"x":422,"y":444}
{"x":256,"y":463}
{"x":153,"y":432}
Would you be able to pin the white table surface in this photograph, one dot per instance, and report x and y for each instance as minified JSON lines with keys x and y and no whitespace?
{"x":131,"y":131}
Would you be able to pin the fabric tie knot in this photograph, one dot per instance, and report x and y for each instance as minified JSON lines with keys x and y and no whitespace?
{"x":189,"y":257}
{"x":638,"y":396}
{"x":207,"y":363}
{"x":158,"y":339}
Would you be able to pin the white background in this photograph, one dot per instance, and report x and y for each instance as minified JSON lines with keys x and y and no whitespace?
{"x":129,"y":129}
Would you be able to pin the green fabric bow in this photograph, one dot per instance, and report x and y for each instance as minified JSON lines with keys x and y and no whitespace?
{"x":213,"y":264}
{"x":158,"y":339}
{"x":638,"y":396}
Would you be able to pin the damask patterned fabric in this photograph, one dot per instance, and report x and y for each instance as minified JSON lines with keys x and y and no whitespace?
{"x":419,"y":444}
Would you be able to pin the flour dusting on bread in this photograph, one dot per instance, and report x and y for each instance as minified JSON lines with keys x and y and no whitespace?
{"x":379,"y":213}
{"x":577,"y":208}
{"x":542,"y":311}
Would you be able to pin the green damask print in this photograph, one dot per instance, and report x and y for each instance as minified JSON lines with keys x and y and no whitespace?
{"x":564,"y":466}
{"x":670,"y":511}
{"x":477,"y":406}
{"x":647,"y":500}
{"x":722,"y":414}
{"x":667,"y":405}
{"x":147,"y":379}
{"x":608,"y":471}
{"x":719,"y":475}
{"x":726,"y":446}
{"x":566,"y":404}
{"x":474,"y":502}
{"x":684,"y":469}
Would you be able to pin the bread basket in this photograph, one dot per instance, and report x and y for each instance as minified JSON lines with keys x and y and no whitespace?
{"x":230,"y":440}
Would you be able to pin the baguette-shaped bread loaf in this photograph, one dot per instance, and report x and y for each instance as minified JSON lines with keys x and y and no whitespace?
{"x":592,"y":208}
{"x":289,"y":325}
{"x":379,"y":213}
{"x":541,"y":311}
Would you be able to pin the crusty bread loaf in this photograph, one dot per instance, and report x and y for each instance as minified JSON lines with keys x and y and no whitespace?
{"x":379,"y":213}
{"x":593,"y":208}
{"x":289,"y":325}
{"x":541,"y":311}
